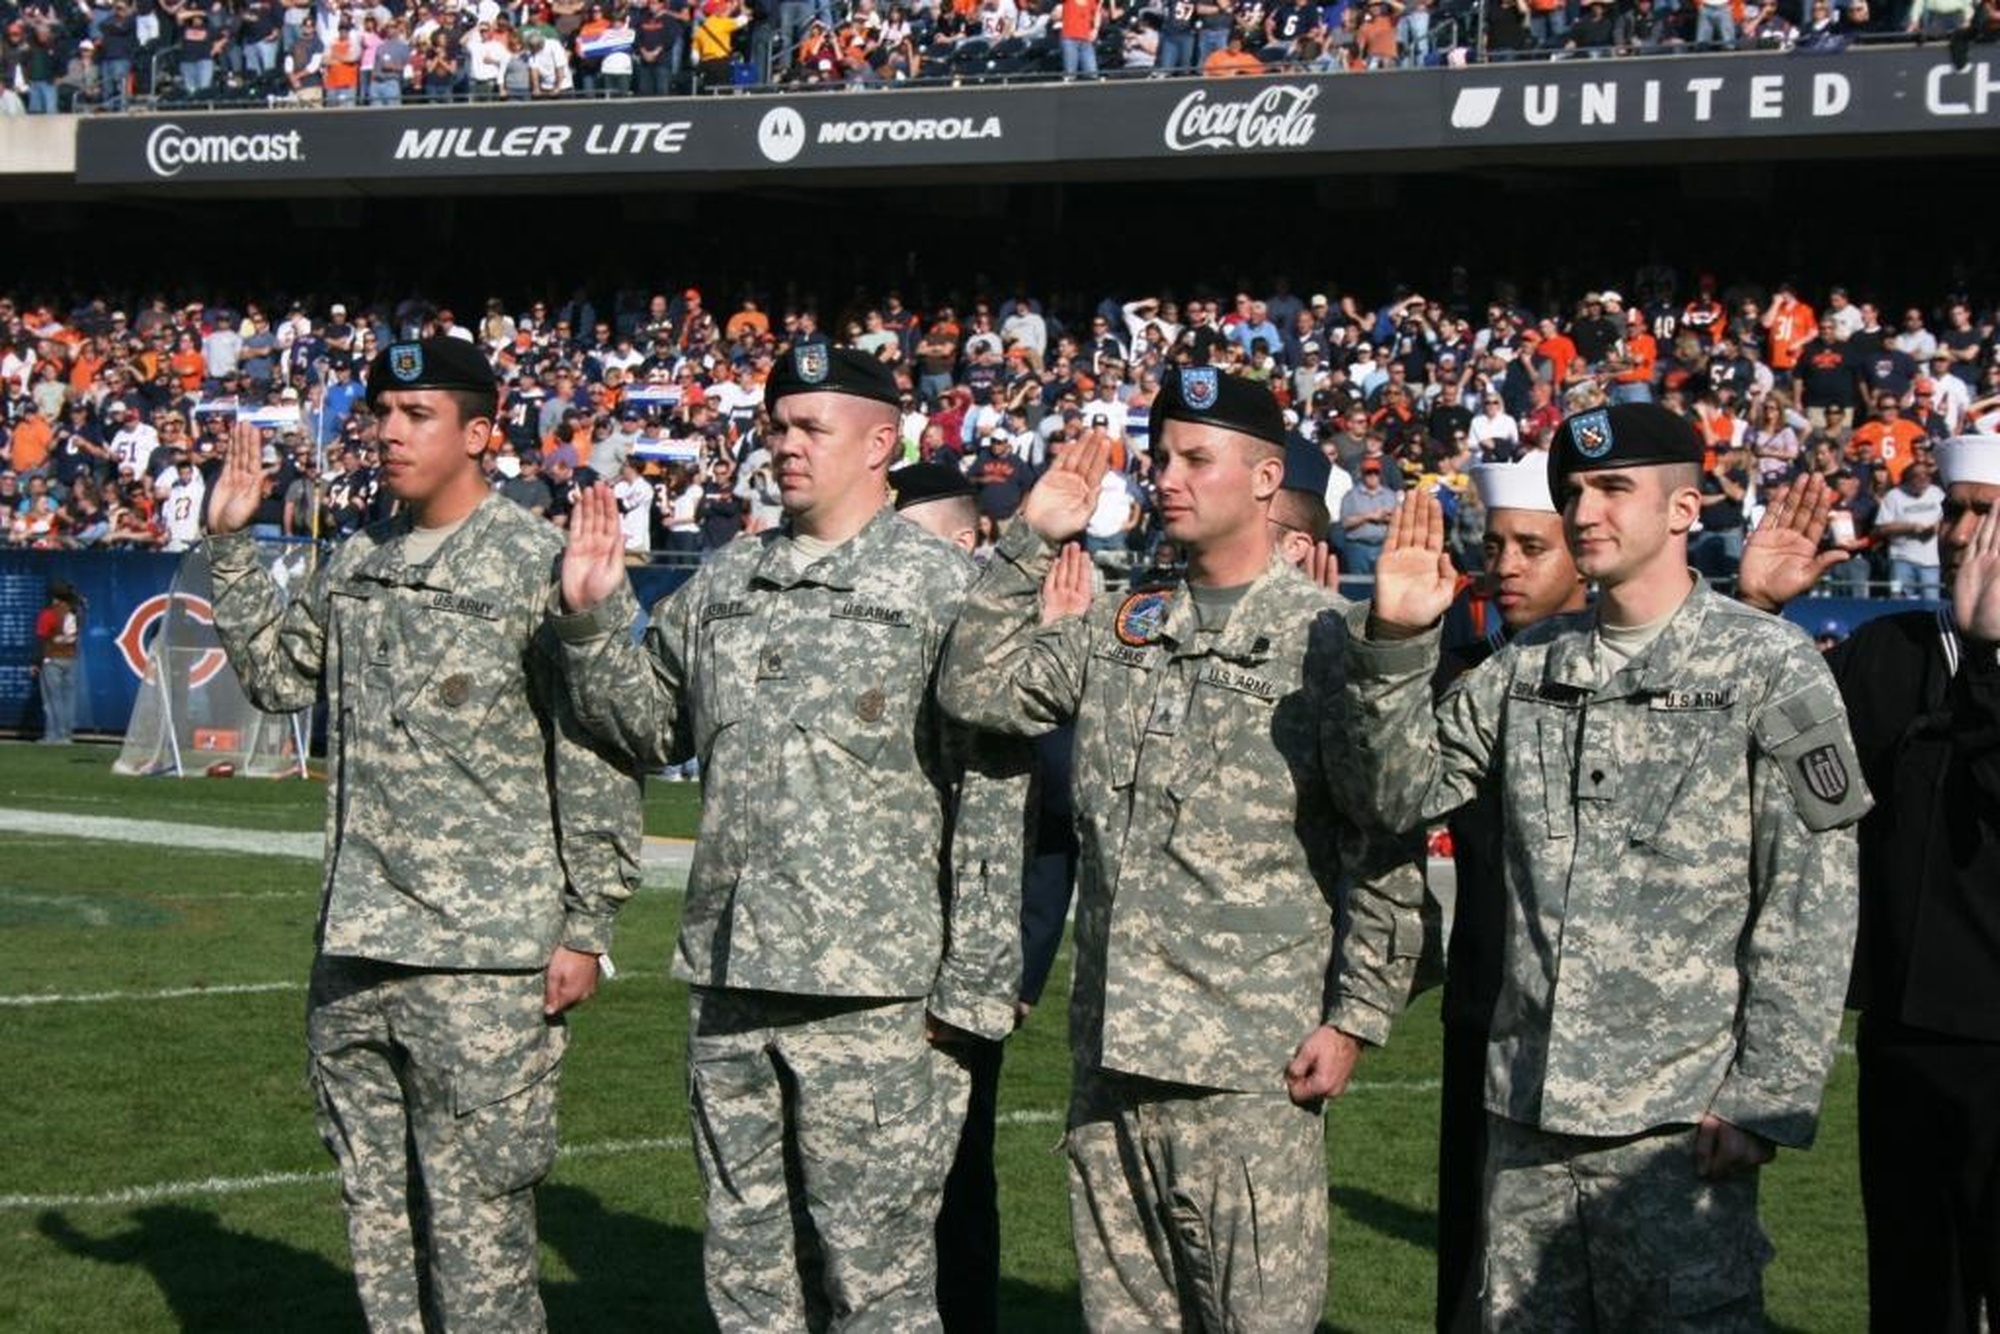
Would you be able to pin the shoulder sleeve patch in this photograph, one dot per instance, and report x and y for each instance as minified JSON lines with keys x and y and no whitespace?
{"x":1806,"y":737}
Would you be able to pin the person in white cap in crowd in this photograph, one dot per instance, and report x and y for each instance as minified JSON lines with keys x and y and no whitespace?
{"x":1923,"y":690}
{"x":134,"y":440}
{"x":1530,"y":577}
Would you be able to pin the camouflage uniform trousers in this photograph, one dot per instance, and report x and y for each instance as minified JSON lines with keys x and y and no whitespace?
{"x":824,"y":1127}
{"x":437,"y":1097}
{"x":1616,"y":1234}
{"x":1194,"y":1209}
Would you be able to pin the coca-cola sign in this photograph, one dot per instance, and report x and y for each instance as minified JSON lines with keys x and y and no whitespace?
{"x":1279,"y":116}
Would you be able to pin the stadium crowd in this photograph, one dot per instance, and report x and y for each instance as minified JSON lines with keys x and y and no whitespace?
{"x":65,"y":56}
{"x":115,"y":418}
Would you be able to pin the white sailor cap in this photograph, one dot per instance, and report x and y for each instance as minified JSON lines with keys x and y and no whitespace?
{"x":1970,"y":458}
{"x":1522,"y":485}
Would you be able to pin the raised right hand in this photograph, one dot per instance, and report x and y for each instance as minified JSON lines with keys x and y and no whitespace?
{"x":1782,"y":559}
{"x":593,"y":564}
{"x":239,"y":487}
{"x":1061,"y":502}
{"x":1068,"y":586}
{"x":1323,"y":566}
{"x":1414,"y":580}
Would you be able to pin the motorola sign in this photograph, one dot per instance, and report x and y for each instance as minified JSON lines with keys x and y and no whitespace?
{"x":781,"y":134}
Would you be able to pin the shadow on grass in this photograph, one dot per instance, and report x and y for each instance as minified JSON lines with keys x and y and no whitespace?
{"x":632,"y":1273}
{"x":215,"y":1279}
{"x":636,"y":1274}
{"x":1023,"y":1306}
{"x":1391,"y":1218}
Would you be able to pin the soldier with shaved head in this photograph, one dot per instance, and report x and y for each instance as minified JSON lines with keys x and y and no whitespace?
{"x":1677,"y":790}
{"x":1211,"y":1017}
{"x":841,"y":937}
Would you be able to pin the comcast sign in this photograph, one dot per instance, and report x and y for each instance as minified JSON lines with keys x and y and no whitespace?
{"x":170,"y":148}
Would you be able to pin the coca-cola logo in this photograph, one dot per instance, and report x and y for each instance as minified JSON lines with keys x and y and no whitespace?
{"x":1279,"y":116}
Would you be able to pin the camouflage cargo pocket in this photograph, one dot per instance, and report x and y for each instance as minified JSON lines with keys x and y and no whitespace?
{"x":505,"y":1111}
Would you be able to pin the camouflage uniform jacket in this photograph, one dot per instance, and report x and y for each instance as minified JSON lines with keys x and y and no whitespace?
{"x":829,"y":782}
{"x":1678,"y":858}
{"x":469,"y":822}
{"x":1211,"y":854}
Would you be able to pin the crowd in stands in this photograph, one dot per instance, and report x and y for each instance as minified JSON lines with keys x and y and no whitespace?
{"x":114,"y":416}
{"x":64,"y":55}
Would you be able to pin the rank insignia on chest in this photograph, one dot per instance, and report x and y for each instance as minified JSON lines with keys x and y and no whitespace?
{"x":870,"y":705}
{"x":1141,"y":617}
{"x":455,"y":689}
{"x":1825,"y":773}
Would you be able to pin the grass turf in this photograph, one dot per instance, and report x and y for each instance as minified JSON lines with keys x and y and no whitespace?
{"x":203,"y":1097}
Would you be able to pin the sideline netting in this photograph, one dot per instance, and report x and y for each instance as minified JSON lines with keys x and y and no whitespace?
{"x":191,"y":712}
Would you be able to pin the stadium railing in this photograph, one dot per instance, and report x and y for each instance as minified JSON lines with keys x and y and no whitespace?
{"x":1451,"y":40}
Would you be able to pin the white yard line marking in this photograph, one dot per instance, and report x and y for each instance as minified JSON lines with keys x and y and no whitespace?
{"x":165,"y":1190}
{"x":618,"y":1148}
{"x":663,"y":858}
{"x":163,"y":833}
{"x":91,"y":914}
{"x":212,"y":1186}
{"x":170,"y":993}
{"x":197,"y":897}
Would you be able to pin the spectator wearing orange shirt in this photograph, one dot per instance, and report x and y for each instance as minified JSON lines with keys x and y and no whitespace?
{"x":1376,"y":37}
{"x":1556,"y":349}
{"x":28,"y":449}
{"x":1789,"y":325}
{"x":1082,"y":21}
{"x":187,"y":365}
{"x":1231,"y":59}
{"x":342,"y":76}
{"x":751,"y":319}
{"x":1638,"y":358}
{"x":1548,"y":22}
{"x":1889,"y":441}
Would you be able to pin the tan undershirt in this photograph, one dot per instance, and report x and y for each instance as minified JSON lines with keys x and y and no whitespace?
{"x":421,"y":544}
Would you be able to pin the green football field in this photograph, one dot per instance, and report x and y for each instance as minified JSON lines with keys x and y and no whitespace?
{"x":159,"y":1169}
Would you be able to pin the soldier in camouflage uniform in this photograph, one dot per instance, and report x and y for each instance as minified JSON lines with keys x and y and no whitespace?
{"x":1677,"y":788}
{"x":1208,"y":1019}
{"x":838,"y":934}
{"x":477,"y":847}
{"x":1530,"y":577}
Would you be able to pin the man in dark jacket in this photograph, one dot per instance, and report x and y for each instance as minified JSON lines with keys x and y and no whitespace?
{"x":1923,"y":691}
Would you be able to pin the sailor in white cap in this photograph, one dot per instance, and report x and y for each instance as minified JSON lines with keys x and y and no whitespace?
{"x":1529,"y":576}
{"x":1923,"y":690}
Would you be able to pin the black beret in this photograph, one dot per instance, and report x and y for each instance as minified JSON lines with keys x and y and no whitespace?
{"x":1306,"y":469}
{"x":914,"y":483}
{"x":816,"y":368}
{"x":1624,"y":435}
{"x":431,"y":363}
{"x":1204,"y":395}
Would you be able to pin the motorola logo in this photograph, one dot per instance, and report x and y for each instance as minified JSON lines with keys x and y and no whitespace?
{"x":781,"y":135}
